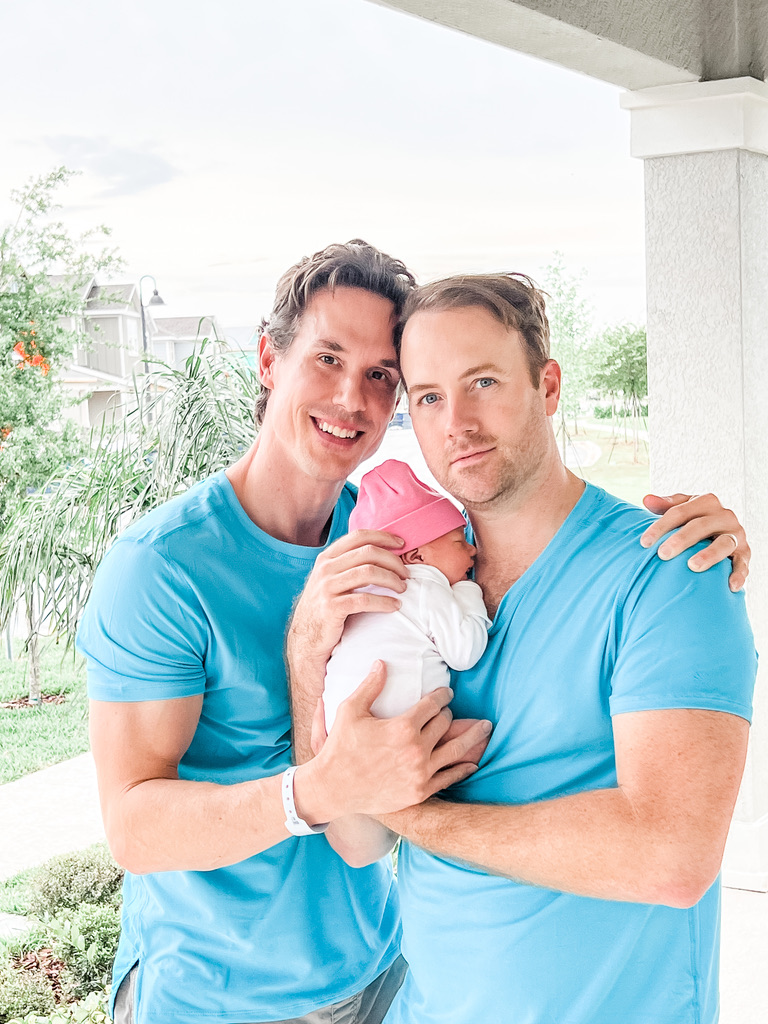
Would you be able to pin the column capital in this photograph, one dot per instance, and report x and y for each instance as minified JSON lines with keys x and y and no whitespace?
{"x":698,"y":117}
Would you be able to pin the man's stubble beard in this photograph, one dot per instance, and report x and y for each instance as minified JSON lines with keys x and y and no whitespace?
{"x":518,"y":467}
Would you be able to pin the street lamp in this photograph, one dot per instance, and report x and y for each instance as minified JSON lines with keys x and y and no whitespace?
{"x":155,"y":300}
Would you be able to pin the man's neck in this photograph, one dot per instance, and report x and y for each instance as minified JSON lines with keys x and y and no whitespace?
{"x":280,"y":499}
{"x":510,"y":536}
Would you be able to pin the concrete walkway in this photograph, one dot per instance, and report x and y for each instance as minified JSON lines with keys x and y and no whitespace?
{"x":52,"y":811}
{"x":57,"y":810}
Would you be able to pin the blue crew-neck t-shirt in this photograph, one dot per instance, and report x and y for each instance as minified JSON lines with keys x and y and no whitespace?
{"x":194,"y":599}
{"x":596,"y":627}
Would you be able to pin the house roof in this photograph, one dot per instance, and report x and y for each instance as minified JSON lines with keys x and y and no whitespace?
{"x":84,"y":289}
{"x":186,"y":328}
{"x":112,"y":296}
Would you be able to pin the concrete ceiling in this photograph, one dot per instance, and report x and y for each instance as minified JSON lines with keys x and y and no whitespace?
{"x":631,"y":43}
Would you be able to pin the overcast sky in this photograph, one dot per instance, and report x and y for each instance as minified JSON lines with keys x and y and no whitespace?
{"x":222,"y":141}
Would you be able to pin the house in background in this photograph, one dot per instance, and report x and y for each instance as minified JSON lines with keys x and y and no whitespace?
{"x":174,"y":338}
{"x":101,"y":376}
{"x":101,"y":373}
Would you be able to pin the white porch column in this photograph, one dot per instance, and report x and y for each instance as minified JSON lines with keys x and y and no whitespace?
{"x":705,"y":147}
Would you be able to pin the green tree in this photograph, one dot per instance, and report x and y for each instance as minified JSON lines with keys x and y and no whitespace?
{"x":620,"y":373}
{"x":184,"y":425}
{"x":43,"y":272}
{"x":572,"y":334}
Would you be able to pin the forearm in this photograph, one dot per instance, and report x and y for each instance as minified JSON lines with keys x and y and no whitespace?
{"x":180,"y":825}
{"x":171,"y":824}
{"x":306,"y":689}
{"x":593,"y":844}
{"x":358,"y":839}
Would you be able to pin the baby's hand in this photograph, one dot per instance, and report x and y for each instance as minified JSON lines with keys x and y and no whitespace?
{"x":457,"y":728}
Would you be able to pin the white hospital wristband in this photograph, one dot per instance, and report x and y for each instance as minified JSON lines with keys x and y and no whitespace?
{"x":296,"y":825}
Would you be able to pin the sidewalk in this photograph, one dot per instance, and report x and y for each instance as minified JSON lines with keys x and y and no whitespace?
{"x":52,"y":811}
{"x":57,"y":810}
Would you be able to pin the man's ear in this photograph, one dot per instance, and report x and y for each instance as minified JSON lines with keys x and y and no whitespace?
{"x":551,"y":377}
{"x":410,"y":557}
{"x":267,"y":357}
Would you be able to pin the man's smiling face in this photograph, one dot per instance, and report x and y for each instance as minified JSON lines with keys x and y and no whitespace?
{"x":334,"y":389}
{"x":483,"y":427}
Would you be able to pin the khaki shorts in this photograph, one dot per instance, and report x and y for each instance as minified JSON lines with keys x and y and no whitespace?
{"x":367,"y":1007}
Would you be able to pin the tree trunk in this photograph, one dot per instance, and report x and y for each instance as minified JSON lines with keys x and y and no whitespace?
{"x":33,"y":654}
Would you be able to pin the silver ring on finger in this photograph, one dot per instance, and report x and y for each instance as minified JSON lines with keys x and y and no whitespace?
{"x":733,"y":537}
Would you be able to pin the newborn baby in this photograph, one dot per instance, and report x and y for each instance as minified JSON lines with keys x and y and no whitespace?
{"x":442,"y":622}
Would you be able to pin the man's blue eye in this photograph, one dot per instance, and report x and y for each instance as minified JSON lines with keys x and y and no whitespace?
{"x":429,"y":399}
{"x":485,"y":382}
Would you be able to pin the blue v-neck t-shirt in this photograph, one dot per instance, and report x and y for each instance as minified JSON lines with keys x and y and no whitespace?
{"x":194,"y":599}
{"x":597,"y":627}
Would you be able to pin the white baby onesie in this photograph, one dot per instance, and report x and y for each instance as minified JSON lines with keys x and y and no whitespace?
{"x":437,"y":627}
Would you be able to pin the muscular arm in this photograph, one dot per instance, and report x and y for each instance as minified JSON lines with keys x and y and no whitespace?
{"x":157,"y":822}
{"x":658,"y":837}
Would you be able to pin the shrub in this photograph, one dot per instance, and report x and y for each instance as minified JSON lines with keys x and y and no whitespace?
{"x":86,"y":940}
{"x":14,"y":893}
{"x":23,"y":991}
{"x":68,"y":881}
{"x":92,"y":1010}
{"x":69,"y":950}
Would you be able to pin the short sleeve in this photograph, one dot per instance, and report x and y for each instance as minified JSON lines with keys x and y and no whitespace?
{"x":683,"y":641}
{"x":143,"y":632}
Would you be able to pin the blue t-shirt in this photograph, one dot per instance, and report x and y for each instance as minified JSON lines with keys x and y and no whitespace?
{"x":597,"y":626}
{"x":194,"y":599}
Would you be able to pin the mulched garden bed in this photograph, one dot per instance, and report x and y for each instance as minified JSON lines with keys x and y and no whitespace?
{"x":24,"y":702}
{"x":42,"y":961}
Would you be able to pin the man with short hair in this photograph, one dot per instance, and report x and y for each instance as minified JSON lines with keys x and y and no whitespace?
{"x":574,"y":877}
{"x":227,"y":916}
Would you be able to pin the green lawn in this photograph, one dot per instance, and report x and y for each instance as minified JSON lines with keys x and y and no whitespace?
{"x":615,"y":470}
{"x":14,"y":893}
{"x":33,"y":738}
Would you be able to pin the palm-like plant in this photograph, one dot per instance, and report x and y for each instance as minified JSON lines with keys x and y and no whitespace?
{"x":183,"y":426}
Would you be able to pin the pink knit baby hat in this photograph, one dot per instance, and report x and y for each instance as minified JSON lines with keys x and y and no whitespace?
{"x":392,"y":498}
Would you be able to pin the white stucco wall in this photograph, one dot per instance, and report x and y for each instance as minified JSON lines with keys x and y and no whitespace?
{"x":694,"y":321}
{"x":707,"y":266}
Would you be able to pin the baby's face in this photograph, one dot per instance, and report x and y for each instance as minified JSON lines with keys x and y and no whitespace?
{"x":452,"y":554}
